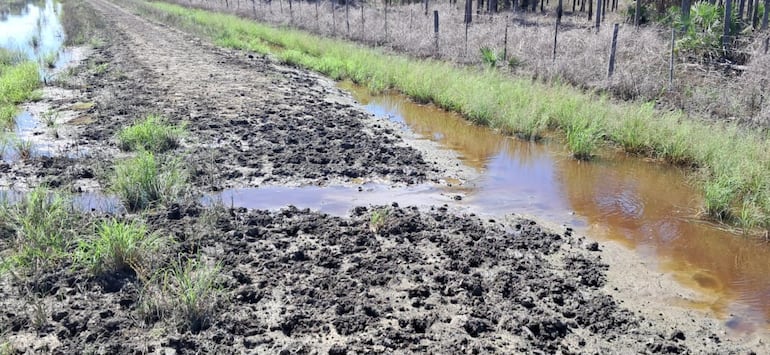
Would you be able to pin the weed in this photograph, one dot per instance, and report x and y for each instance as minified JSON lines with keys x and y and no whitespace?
{"x":583,"y":136}
{"x":118,"y":246}
{"x":44,"y":225}
{"x":488,"y":56}
{"x":143,"y":181}
{"x":49,"y":60}
{"x":378,"y":219}
{"x":152,"y":134}
{"x":25,"y":149}
{"x":17,"y":84}
{"x":50,"y":118}
{"x":191,"y":287}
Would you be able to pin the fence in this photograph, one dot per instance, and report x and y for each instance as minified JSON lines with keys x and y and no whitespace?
{"x":598,"y":50}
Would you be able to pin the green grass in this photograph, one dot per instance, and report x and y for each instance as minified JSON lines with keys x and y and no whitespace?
{"x":192,"y":288}
{"x":118,"y":246}
{"x":43,"y":224}
{"x":152,"y":134}
{"x":378,"y":219}
{"x":18,"y":82}
{"x":144,"y":181}
{"x":719,"y":152}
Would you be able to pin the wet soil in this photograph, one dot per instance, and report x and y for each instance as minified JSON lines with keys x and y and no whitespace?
{"x":297,"y":281}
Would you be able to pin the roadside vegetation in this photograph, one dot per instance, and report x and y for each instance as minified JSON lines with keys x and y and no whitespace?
{"x":732,"y":164}
{"x":19,"y":80}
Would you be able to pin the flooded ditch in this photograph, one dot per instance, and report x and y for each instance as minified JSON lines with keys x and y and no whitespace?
{"x":647,"y":206}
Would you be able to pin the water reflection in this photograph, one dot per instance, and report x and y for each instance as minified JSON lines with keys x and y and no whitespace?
{"x":647,"y":206}
{"x":33,"y":28}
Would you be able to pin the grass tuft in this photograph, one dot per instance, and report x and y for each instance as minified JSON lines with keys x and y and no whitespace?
{"x":43,"y":226}
{"x":153,"y":134}
{"x":143,"y":181}
{"x":118,"y":246}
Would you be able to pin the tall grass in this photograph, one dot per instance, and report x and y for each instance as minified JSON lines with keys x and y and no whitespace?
{"x":18,"y":82}
{"x":43,"y":224}
{"x":144,"y":181}
{"x":153,"y":134}
{"x":118,"y":246}
{"x":720,"y":152}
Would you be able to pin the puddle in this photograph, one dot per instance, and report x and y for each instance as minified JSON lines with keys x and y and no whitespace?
{"x":647,"y":206}
{"x":34,"y":29}
{"x":334,"y":200}
{"x":86,"y":201}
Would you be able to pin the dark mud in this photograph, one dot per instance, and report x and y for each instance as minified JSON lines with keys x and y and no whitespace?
{"x":297,"y":281}
{"x":250,"y":121}
{"x":300,"y":282}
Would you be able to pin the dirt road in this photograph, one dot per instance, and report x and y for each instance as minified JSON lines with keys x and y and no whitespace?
{"x":297,"y":281}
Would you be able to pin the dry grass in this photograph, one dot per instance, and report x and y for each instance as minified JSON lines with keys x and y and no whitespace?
{"x":706,"y":91}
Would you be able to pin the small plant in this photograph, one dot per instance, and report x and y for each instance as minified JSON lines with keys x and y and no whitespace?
{"x":488,"y":56}
{"x":49,"y":60}
{"x":43,"y":224}
{"x":192,"y":290}
{"x":50,"y":118}
{"x":142,"y":181}
{"x":378,"y":219}
{"x":718,"y":194}
{"x":118,"y":246}
{"x":515,"y":62}
{"x":152,"y":134}
{"x":25,"y":149}
{"x":583,"y":136}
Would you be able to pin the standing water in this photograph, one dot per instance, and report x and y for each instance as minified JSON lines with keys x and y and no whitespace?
{"x":33,"y":28}
{"x":647,"y":206}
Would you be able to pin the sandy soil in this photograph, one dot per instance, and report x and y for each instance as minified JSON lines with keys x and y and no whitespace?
{"x":296,"y":281}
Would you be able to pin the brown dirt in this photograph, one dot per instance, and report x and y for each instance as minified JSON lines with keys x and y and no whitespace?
{"x":297,"y":281}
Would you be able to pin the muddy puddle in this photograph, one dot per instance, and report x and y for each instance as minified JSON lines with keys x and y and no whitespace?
{"x":33,"y":29}
{"x":647,"y":206}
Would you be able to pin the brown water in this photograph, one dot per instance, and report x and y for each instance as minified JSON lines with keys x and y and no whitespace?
{"x":647,"y":206}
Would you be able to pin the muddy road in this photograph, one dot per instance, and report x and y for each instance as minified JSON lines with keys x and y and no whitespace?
{"x":383,"y":279}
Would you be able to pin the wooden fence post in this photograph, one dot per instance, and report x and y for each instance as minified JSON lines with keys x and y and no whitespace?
{"x":435,"y":30}
{"x":598,"y":14}
{"x":613,"y":47}
{"x":426,"y":7}
{"x":386,"y":20}
{"x":291,"y":14}
{"x":347,"y":18}
{"x":636,"y":13}
{"x":726,"y":34}
{"x":671,"y":59}
{"x":764,"y":17}
{"x":334,"y":18}
{"x":468,"y":19}
{"x":556,"y":29}
{"x":363,"y":32}
{"x":505,"y":40}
